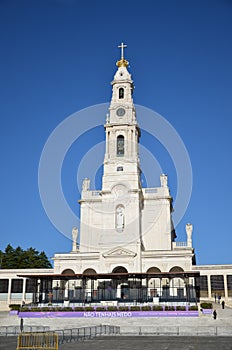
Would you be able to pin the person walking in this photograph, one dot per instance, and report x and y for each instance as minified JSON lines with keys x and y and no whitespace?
{"x":223,"y":304}
{"x":214,"y":314}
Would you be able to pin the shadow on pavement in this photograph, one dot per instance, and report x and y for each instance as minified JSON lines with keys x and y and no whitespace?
{"x":137,"y":342}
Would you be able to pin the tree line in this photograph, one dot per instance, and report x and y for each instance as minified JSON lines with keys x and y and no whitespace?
{"x":17,"y":258}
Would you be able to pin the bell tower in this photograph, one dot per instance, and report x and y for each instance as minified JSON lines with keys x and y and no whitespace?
{"x":111,"y":218}
{"x":121,"y":161}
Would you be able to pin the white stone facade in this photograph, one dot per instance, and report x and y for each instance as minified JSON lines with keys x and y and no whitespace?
{"x":123,"y":224}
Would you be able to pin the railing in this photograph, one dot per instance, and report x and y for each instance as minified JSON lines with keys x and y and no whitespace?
{"x":151,"y":190}
{"x":64,"y":335}
{"x":84,"y":333}
{"x":177,"y":330}
{"x":179,"y":244}
{"x":91,"y":195}
{"x":15,"y":330}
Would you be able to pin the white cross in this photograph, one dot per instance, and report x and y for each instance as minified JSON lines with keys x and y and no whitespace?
{"x":122,"y":46}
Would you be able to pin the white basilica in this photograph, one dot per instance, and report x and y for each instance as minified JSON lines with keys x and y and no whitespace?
{"x":125,"y":226}
{"x":126,"y":248}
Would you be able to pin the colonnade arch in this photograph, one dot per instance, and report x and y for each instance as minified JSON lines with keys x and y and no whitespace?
{"x":154,"y":284}
{"x":68,"y":272}
{"x":62,"y":289}
{"x":176,"y":269}
{"x":120,"y":286}
{"x":182,"y":287}
{"x":119,"y":269}
{"x":88,"y":286}
{"x":89,"y":271}
{"x":177,"y":284}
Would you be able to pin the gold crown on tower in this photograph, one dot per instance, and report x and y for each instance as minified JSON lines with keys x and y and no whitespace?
{"x":122,"y":63}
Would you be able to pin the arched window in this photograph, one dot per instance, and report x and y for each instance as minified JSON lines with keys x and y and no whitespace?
{"x":89,"y":272}
{"x":68,"y":272}
{"x":119,"y":269}
{"x":176,"y":269}
{"x":120,"y":146}
{"x":121,"y":93}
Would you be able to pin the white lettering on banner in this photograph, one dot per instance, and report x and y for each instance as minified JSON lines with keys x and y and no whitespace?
{"x":107,"y":314}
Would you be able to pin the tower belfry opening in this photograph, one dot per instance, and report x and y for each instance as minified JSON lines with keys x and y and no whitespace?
{"x":120,"y":146}
{"x":121,"y":93}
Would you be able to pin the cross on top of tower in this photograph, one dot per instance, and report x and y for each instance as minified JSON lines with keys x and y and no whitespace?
{"x":122,"y":46}
{"x":122,"y":62}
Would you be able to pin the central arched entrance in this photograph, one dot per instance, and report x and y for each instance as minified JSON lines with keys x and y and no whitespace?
{"x":120,"y":269}
{"x":121,"y":285}
{"x":129,"y":287}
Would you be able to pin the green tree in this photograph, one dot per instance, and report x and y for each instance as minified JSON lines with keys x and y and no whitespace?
{"x":23,"y":259}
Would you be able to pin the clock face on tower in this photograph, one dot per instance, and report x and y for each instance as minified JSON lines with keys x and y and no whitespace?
{"x":120,"y":112}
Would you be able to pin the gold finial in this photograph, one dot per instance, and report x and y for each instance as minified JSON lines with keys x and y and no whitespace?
{"x":122,"y":62}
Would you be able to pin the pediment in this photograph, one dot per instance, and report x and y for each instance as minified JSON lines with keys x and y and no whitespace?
{"x":119,"y":252}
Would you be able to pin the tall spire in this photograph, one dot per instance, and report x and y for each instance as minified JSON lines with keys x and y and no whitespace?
{"x":122,"y":62}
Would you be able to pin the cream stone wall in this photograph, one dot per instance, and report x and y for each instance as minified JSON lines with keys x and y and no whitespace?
{"x":156,"y":219}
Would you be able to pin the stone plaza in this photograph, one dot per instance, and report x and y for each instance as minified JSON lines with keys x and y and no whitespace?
{"x":202,"y":332}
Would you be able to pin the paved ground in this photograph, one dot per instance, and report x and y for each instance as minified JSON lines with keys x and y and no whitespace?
{"x":136,"y":343}
{"x":151,"y":343}
{"x":133,"y":326}
{"x":8,"y":343}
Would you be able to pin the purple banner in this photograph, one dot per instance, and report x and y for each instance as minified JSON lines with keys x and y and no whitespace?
{"x":207,"y":311}
{"x":13,"y":312}
{"x":108,"y":314}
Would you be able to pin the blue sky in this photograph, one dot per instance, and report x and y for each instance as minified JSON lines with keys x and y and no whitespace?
{"x":58,"y":57}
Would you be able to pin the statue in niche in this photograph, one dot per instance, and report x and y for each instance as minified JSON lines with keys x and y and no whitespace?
{"x":164,"y":180}
{"x":120,"y":219}
{"x":85,"y":184}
